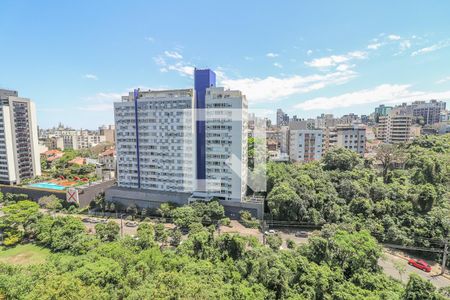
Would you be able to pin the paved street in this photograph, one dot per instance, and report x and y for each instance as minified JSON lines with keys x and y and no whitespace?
{"x":387,"y":263}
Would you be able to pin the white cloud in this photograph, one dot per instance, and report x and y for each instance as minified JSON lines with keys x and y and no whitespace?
{"x":90,"y":76}
{"x":173,"y":54}
{"x":272,"y":55}
{"x":333,"y":60}
{"x":248,"y":58}
{"x":443,"y":80}
{"x":344,"y":67}
{"x":432,"y":48}
{"x":393,"y":37}
{"x":149,"y":39}
{"x":101,"y":102}
{"x":374,"y":46}
{"x":406,"y":44}
{"x":182,"y":69}
{"x":270,"y":89}
{"x":309,"y":52}
{"x":385,"y":93}
{"x":278,"y":65}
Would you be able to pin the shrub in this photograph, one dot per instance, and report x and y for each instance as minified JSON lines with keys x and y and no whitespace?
{"x":290,"y":244}
{"x":225,"y":222}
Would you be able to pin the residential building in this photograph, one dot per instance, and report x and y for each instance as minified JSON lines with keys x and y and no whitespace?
{"x":282,"y":118}
{"x":183,"y":142}
{"x":19,"y":149}
{"x":304,"y":144}
{"x":352,"y":137}
{"x":106,"y":166}
{"x":381,"y":111}
{"x":109,"y":132}
{"x":429,"y":111}
{"x":397,"y":126}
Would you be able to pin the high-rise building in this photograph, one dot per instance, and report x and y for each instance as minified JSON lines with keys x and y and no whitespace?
{"x":282,"y":118}
{"x":352,"y":137}
{"x":305,"y":144}
{"x":382,"y":111}
{"x":19,"y":153}
{"x":429,"y":111}
{"x":397,"y":126}
{"x":188,"y":144}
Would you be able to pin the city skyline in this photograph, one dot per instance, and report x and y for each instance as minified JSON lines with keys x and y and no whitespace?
{"x":80,"y":58}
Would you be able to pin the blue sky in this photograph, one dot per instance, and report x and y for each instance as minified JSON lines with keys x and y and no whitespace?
{"x":75,"y":58}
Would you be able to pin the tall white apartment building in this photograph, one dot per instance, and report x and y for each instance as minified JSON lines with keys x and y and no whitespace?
{"x":182,"y":142}
{"x":352,"y":137}
{"x":305,"y":144}
{"x":19,"y":153}
{"x":162,"y":157}
{"x":226,"y":144}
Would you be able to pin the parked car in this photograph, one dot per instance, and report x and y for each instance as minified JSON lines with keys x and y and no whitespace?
{"x":131,"y":224}
{"x":86,"y":220}
{"x":302,"y":234}
{"x":95,"y":221}
{"x":271,"y":231}
{"x":419,"y":264}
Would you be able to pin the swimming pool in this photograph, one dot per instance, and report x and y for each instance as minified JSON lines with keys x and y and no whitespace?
{"x":48,"y":185}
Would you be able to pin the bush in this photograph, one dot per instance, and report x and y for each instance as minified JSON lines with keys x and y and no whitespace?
{"x":247,"y":220}
{"x":225,"y":222}
{"x":274,"y":242}
{"x":290,"y":244}
{"x":129,"y":218}
{"x":50,"y":202}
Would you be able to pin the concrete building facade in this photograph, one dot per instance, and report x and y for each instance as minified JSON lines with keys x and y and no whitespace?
{"x":19,"y":148}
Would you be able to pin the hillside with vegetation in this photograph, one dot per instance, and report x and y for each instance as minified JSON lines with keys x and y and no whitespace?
{"x":401,"y":196}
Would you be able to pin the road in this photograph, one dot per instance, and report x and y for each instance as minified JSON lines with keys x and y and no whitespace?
{"x":388,"y":264}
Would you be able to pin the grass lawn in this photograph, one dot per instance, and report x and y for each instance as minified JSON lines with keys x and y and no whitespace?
{"x":24,"y":255}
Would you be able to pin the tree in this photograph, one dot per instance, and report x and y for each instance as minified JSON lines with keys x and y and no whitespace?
{"x":107,"y":232}
{"x":427,"y":197}
{"x":161,"y":234}
{"x":184,"y":216}
{"x":164,"y":209}
{"x":419,"y":289}
{"x":16,"y":220}
{"x":284,"y":203}
{"x":145,"y":235}
{"x":175,"y":237}
{"x":50,"y":202}
{"x":274,"y":241}
{"x":132,"y":209}
{"x":341,"y":159}
{"x":400,"y":266}
{"x":387,"y":155}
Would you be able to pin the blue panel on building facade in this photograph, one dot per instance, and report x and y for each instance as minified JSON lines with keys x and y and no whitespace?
{"x":136,"y":119}
{"x":203,"y":79}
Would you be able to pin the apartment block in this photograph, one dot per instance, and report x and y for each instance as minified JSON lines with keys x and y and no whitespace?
{"x":19,"y":153}
{"x":397,"y":126}
{"x":429,"y":111}
{"x":352,"y":137}
{"x":305,"y":144}
{"x":109,"y":132}
{"x":185,"y":145}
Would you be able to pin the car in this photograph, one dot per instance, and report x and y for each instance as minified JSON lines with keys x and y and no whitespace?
{"x":103,"y":221}
{"x":95,"y":221}
{"x":302,"y":234}
{"x":271,"y":231}
{"x":86,"y":220}
{"x":131,"y":224}
{"x":419,"y":264}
